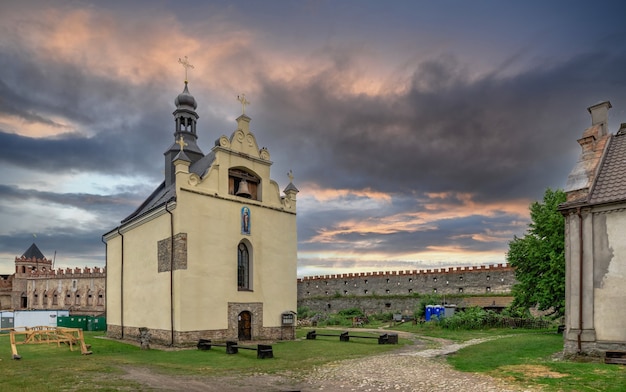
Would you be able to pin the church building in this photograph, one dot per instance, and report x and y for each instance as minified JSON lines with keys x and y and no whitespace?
{"x":212,"y":252}
{"x":595,"y":250}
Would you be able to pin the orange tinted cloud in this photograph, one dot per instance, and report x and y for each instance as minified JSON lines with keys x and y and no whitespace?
{"x":438,"y":207}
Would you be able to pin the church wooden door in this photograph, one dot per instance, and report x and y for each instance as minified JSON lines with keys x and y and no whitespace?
{"x":245,"y":326}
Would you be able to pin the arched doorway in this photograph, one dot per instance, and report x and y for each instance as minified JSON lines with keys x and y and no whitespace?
{"x":245,"y":325}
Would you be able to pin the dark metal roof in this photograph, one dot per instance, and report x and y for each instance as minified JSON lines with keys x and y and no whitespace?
{"x":33,"y":251}
{"x":201,"y":166}
{"x":160,"y":196}
{"x":163,"y":194}
{"x":610,"y":185}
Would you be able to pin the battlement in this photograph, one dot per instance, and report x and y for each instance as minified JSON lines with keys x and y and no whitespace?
{"x":95,"y":272}
{"x":450,"y":270}
{"x":32,"y":260}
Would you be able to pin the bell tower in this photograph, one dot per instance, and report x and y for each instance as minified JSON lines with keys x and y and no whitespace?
{"x":185,"y":127}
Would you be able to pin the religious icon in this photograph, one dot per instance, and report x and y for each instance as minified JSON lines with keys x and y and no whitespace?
{"x":245,"y":220}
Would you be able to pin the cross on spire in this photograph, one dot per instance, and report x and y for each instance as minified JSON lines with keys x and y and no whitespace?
{"x":185,"y":64}
{"x":242,"y":98}
{"x":181,"y":143}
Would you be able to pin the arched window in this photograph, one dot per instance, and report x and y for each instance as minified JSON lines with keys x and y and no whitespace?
{"x":243,"y":267}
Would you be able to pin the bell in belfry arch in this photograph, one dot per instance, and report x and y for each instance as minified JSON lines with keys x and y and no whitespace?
{"x":243,"y":190}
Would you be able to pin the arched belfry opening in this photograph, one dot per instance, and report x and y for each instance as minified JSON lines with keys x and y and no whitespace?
{"x":242,"y":183}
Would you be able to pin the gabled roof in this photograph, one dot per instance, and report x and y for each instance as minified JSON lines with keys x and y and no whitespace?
{"x":610,"y":185}
{"x":163,"y":194}
{"x":201,"y":166}
{"x":33,"y":251}
{"x":160,"y":196}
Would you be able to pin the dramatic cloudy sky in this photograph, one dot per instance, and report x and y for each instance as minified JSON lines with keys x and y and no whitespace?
{"x":418,"y":131}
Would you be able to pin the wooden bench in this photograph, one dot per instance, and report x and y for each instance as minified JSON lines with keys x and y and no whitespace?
{"x":262,"y":350}
{"x":387,"y":338}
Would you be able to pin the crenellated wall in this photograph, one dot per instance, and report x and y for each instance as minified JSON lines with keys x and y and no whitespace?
{"x":475,"y":280}
{"x":76,"y":273}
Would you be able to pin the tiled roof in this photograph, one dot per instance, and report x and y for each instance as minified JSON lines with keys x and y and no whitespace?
{"x":33,"y":251}
{"x":610,"y":185}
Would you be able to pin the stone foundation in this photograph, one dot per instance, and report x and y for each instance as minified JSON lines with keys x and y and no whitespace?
{"x":594,"y":349}
{"x":190,"y":338}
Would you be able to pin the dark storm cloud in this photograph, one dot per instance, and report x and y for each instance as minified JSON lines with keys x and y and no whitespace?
{"x":104,"y":205}
{"x":102,"y":124}
{"x":499,"y":137}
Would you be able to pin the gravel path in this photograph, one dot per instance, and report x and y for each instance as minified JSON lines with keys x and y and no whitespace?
{"x":410,"y":369}
{"x":413,"y":368}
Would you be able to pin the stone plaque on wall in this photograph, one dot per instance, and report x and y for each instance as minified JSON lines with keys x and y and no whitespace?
{"x":180,"y":253}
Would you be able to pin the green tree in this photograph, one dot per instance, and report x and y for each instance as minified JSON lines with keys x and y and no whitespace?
{"x":539,"y":257}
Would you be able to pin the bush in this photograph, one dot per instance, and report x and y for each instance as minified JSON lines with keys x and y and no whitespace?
{"x":335,"y":319}
{"x":471,"y":318}
{"x":382,"y":316}
{"x":351,"y":312}
{"x":304,"y":313}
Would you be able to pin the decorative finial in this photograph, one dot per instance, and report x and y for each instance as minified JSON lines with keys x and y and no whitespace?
{"x":185,"y":64}
{"x":242,"y":98}
{"x":290,"y":175}
{"x":181,"y":143}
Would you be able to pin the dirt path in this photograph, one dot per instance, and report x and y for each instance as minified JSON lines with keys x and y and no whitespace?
{"x":414,"y":367}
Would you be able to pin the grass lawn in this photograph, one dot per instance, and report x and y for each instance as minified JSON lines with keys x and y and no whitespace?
{"x":457,"y":335}
{"x":50,"y":368}
{"x":529,"y":359}
{"x":522,"y":356}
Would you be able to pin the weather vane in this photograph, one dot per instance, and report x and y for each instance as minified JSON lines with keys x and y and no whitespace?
{"x":181,"y":143}
{"x":185,"y":64}
{"x":242,"y":98}
{"x":290,"y":175}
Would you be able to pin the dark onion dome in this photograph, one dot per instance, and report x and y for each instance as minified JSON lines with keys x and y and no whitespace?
{"x":185,"y":99}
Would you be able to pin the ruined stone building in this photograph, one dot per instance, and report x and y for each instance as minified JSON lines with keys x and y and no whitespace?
{"x":36,"y":285}
{"x":212,"y":252}
{"x":595,"y":249}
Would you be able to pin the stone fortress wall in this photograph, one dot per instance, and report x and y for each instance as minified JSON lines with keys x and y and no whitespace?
{"x":491,"y":279}
{"x":398,"y":291}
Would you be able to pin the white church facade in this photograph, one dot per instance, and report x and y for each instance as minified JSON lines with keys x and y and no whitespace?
{"x":212,"y":252}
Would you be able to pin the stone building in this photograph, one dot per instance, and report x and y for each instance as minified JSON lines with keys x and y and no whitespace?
{"x":212,"y":252}
{"x":595,"y":250}
{"x":35,"y":285}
